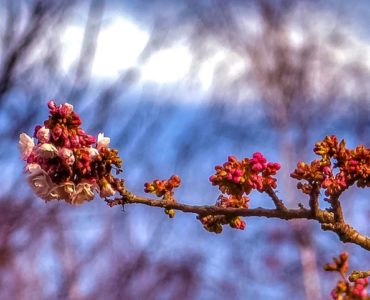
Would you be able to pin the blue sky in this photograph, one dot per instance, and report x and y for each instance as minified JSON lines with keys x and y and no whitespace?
{"x":169,"y":120}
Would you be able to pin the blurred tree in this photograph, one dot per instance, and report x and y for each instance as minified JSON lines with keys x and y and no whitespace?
{"x":290,"y":91}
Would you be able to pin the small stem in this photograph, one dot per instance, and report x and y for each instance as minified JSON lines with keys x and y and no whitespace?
{"x":278,"y":203}
{"x":314,"y":199}
{"x":337,"y":208}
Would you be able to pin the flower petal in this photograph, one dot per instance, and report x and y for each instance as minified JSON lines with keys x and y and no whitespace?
{"x":26,"y":145}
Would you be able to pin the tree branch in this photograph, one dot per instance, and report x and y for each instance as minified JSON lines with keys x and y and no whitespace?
{"x":337,"y":208}
{"x":278,"y":203}
{"x":345,"y":232}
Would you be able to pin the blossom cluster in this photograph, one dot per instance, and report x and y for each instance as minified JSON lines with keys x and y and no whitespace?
{"x":336,"y":170}
{"x":344,"y":289}
{"x":237,"y":179}
{"x":214,"y":223}
{"x":164,"y":188}
{"x":66,"y":163}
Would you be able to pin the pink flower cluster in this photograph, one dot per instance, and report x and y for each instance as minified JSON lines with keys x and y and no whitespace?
{"x":338,"y":168}
{"x":344,"y":289}
{"x":214,"y":223}
{"x":238,"y":177}
{"x":65,"y":162}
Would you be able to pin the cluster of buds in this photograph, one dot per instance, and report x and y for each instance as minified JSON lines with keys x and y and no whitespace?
{"x":65,"y":162}
{"x":338,"y":168}
{"x":214,"y":223}
{"x":237,"y":179}
{"x":164,"y":188}
{"x":346,"y":290}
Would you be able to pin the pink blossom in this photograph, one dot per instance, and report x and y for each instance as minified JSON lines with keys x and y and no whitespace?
{"x":67,"y":156}
{"x":65,"y":109}
{"x":43,"y":134}
{"x":26,"y":145}
{"x":30,"y":168}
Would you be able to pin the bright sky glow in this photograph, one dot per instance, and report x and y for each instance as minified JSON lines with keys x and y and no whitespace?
{"x":121,"y":42}
{"x":167,"y":66}
{"x":118,"y":47}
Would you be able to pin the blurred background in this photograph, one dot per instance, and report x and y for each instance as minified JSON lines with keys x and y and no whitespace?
{"x":179,"y":86}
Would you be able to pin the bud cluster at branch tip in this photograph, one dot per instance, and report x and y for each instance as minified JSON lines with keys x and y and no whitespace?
{"x":337,"y":170}
{"x":237,"y":179}
{"x":164,"y":188}
{"x":346,"y":290}
{"x":65,"y":162}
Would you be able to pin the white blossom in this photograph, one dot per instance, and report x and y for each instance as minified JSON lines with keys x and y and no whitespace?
{"x":84,"y":192}
{"x":46,"y":150}
{"x":103,"y":142}
{"x":93,"y":152}
{"x":106,"y":190}
{"x":41,"y":183}
{"x":26,"y":145}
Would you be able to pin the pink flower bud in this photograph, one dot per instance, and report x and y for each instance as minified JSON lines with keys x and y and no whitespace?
{"x":238,"y":172}
{"x":236,"y":179}
{"x":52,"y":107}
{"x":65,"y":109}
{"x":277,"y":166}
{"x":212,"y":178}
{"x":327,"y":170}
{"x":37,"y":128}
{"x":232,"y":158}
{"x":75,"y":141}
{"x":89,"y":139}
{"x":56,"y":132}
{"x":257,"y":167}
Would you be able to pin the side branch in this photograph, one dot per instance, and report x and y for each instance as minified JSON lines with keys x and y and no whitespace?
{"x":278,"y":203}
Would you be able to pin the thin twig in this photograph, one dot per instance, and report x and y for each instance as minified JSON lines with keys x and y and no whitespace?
{"x":278,"y":203}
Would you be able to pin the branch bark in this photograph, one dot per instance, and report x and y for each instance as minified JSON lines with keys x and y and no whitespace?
{"x":328,"y":220}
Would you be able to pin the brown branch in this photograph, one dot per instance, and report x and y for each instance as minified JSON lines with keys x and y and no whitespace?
{"x":345,"y":232}
{"x":314,"y":199}
{"x":337,"y":208}
{"x":278,"y":203}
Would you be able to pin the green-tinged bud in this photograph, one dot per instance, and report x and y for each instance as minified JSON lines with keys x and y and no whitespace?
{"x":170,"y":212}
{"x":217,"y":228}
